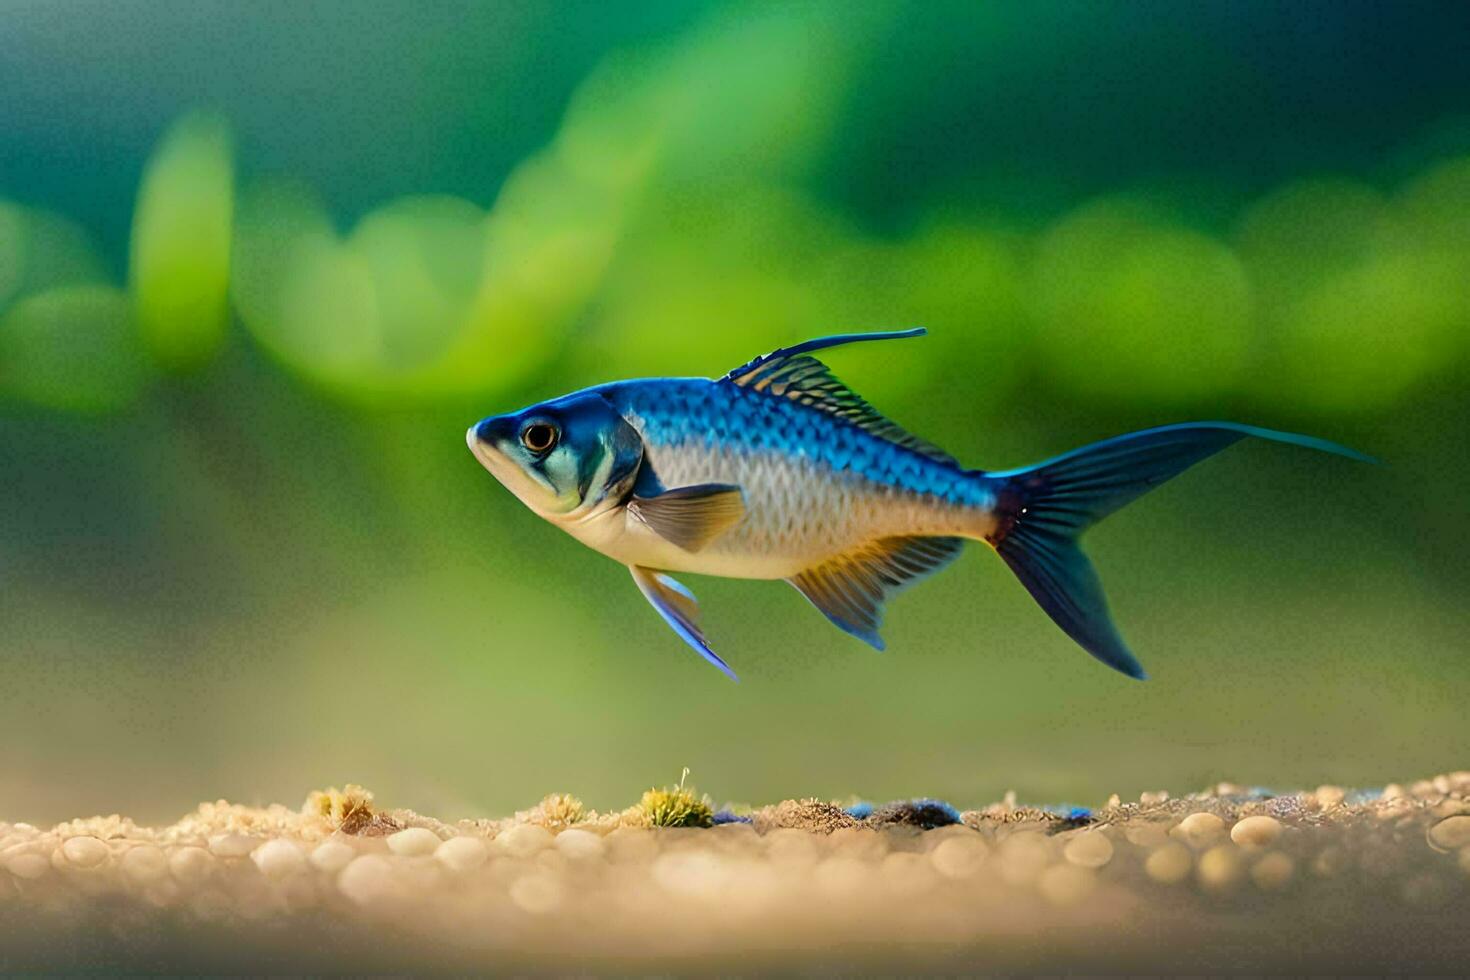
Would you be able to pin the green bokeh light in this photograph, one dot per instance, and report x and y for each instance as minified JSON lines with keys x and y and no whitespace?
{"x":1132,"y":306}
{"x":72,"y":348}
{"x":179,"y":264}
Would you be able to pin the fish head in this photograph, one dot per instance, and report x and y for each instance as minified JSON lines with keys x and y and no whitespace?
{"x":566,"y":459}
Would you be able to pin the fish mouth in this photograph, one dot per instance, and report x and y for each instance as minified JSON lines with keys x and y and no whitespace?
{"x":479,"y":448}
{"x":488,"y":453}
{"x":482,"y":440}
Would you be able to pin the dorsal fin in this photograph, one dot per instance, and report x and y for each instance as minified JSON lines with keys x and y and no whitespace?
{"x":850,"y":589}
{"x":792,"y":373}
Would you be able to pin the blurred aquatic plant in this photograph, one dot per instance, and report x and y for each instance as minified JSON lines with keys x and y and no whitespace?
{"x":556,"y":812}
{"x":72,"y":348}
{"x":363,"y":314}
{"x":40,"y":250}
{"x":674,"y":806}
{"x":349,"y":810}
{"x":1131,"y":306}
{"x":1360,"y":304}
{"x":179,"y":265}
{"x":67,"y":338}
{"x":430,"y":297}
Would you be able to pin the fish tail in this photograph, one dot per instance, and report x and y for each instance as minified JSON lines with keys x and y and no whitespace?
{"x":1040,"y":512}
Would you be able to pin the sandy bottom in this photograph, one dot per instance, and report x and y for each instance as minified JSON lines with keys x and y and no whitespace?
{"x":1222,"y":881}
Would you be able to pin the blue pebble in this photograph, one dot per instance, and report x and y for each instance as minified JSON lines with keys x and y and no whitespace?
{"x":924,"y":813}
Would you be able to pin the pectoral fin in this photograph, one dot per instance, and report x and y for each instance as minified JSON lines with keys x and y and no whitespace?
{"x":677,"y":606}
{"x":691,"y":517}
{"x":851,"y":588}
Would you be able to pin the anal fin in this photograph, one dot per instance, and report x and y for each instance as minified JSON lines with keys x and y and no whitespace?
{"x":851,"y":588}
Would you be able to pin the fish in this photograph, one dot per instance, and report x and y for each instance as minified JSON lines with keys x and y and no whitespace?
{"x":780,"y":471}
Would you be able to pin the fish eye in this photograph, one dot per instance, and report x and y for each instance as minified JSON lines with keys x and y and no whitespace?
{"x":539,"y":437}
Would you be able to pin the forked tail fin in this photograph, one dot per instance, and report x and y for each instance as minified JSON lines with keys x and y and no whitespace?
{"x":1043,"y":509}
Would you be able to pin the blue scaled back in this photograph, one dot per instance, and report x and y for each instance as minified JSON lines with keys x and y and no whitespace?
{"x":722,"y":416}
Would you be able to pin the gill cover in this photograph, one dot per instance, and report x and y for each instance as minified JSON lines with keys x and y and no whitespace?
{"x":606,"y":450}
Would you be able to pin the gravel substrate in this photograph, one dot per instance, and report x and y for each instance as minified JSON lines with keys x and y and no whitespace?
{"x":1227,"y":880}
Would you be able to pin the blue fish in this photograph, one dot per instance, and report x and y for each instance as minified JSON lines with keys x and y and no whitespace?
{"x":778,"y":470}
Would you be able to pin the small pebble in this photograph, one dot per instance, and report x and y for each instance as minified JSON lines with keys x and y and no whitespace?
{"x":551,"y":860}
{"x":368,"y":880}
{"x":865,"y":844}
{"x":959,"y":857}
{"x":191,"y":865}
{"x":505,"y":869}
{"x":906,"y":874}
{"x":629,"y":845}
{"x":415,"y":842}
{"x":1256,"y":831}
{"x":1199,"y":829}
{"x":1450,"y":834}
{"x":419,"y":876}
{"x":332,"y":856}
{"x":1219,"y":867}
{"x":1449,"y":807}
{"x":279,"y":859}
{"x":85,"y":851}
{"x":1273,"y":872}
{"x":1169,"y":864}
{"x":1153,"y":799}
{"x":1393,"y":791}
{"x":537,"y":894}
{"x":524,"y":840}
{"x":232,"y":845}
{"x":792,"y":848}
{"x":582,"y":845}
{"x":843,"y":877}
{"x":1065,"y":884}
{"x":28,"y":865}
{"x":144,"y":863}
{"x":692,"y":873}
{"x":1022,"y":857}
{"x":734,"y":837}
{"x":1152,"y":834}
{"x":1329,"y":796}
{"x":1089,"y":849}
{"x":462,"y":854}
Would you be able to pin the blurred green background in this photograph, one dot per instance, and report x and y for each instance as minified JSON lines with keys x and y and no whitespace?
{"x":261,"y":264}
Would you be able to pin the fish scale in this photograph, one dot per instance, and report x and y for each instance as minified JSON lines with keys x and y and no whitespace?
{"x":813,"y":486}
